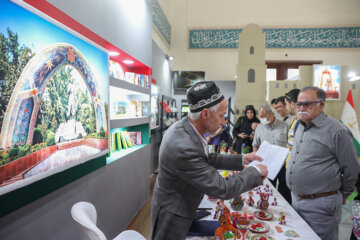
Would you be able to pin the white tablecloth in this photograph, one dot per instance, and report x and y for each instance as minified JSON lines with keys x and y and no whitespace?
{"x":293,"y":219}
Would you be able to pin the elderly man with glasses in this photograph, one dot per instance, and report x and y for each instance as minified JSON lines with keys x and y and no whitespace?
{"x":323,"y":168}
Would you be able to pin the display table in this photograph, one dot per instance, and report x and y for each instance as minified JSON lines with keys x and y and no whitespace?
{"x":293,"y":220}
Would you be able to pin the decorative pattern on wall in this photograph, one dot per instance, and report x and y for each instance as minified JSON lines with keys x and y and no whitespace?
{"x":160,"y":21}
{"x":335,"y":37}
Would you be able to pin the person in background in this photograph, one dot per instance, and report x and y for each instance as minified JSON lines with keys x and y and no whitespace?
{"x":273,"y":108}
{"x":290,"y":101}
{"x":274,"y":131}
{"x":187,"y":171}
{"x":280,"y":108}
{"x":242,"y":128}
{"x":214,"y":139}
{"x":222,"y":134}
{"x":254,"y":125}
{"x":225,"y":134}
{"x":323,"y":166}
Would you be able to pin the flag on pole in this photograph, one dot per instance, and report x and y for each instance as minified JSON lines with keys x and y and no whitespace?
{"x":348,"y":117}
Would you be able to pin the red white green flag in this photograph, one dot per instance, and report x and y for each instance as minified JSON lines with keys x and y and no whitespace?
{"x":348,"y":117}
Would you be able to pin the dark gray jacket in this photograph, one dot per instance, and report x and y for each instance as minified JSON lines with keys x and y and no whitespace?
{"x":186,"y":173}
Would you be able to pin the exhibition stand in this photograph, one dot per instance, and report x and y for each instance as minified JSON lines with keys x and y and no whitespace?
{"x":291,"y":226}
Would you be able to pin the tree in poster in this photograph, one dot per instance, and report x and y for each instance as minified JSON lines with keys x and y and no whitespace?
{"x":55,"y":103}
{"x":13,"y":59}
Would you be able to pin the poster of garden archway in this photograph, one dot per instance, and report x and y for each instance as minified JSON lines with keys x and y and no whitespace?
{"x":54,"y":98}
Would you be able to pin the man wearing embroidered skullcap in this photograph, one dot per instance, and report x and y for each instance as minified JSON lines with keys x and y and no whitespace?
{"x":187,"y":170}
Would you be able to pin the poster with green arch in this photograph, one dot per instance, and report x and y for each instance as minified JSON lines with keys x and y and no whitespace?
{"x":54,"y":99}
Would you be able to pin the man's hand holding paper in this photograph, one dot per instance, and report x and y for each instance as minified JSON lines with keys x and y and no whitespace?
{"x":274,"y":158}
{"x":253,"y":157}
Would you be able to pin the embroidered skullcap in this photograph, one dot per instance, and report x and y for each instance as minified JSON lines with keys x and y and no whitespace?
{"x":203,"y":94}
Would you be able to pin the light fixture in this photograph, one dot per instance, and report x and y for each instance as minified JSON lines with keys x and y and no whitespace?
{"x":170,"y":58}
{"x":127,"y":61}
{"x":113,"y":54}
{"x":353,"y":77}
{"x":235,"y":76}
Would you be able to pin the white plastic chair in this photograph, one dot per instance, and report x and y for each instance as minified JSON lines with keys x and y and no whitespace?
{"x":84,"y":213}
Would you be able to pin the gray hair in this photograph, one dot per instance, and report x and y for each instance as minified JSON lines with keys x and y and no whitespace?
{"x":266,"y":108}
{"x":320,"y":94}
{"x":196,"y":115}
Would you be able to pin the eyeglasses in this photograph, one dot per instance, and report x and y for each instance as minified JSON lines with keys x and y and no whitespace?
{"x":306,"y":104}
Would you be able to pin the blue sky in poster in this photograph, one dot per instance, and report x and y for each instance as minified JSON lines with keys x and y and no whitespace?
{"x":36,"y":33}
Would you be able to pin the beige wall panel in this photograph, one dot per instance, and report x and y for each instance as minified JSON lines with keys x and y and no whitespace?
{"x":210,"y":13}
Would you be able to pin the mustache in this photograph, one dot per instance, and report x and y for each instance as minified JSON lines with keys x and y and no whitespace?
{"x":303,"y":113}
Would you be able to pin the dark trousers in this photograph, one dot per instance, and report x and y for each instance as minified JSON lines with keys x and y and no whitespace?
{"x":353,"y":237}
{"x":283,"y":189}
{"x":169,"y":226}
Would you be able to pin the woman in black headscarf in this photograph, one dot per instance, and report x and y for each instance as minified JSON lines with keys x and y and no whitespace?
{"x":242,"y":129}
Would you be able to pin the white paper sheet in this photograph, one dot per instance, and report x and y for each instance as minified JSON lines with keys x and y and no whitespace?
{"x":274,"y":157}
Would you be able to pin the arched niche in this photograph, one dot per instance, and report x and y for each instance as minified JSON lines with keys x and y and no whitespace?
{"x":20,"y":117}
{"x":251,"y":75}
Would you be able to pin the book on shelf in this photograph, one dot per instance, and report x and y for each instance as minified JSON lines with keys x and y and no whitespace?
{"x":166,"y":107}
{"x":123,"y":141}
{"x":135,"y":137}
{"x":132,"y":110}
{"x":127,"y":139}
{"x":137,"y":79}
{"x":139,"y":109}
{"x":146,"y":109}
{"x":115,"y":70}
{"x":118,"y":141}
{"x":130,"y":77}
{"x":113,"y":142}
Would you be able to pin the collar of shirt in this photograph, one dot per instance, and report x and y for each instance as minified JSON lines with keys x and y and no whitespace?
{"x":275,"y":123}
{"x":203,"y":141}
{"x":317,"y":121}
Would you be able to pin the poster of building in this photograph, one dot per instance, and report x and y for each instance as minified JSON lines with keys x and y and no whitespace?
{"x":54,"y":98}
{"x":327,"y":77}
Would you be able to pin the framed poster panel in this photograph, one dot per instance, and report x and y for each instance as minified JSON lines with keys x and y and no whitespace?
{"x":54,"y":99}
{"x":327,"y":77}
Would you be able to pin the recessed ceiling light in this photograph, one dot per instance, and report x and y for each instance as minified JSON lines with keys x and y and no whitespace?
{"x":128,"y":61}
{"x":113,"y":54}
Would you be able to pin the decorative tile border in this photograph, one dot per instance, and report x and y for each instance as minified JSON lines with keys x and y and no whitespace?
{"x":160,"y":21}
{"x":334,"y":37}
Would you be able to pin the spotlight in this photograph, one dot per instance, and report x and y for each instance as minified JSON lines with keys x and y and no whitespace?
{"x":113,"y":54}
{"x":128,"y":61}
{"x":170,"y":58}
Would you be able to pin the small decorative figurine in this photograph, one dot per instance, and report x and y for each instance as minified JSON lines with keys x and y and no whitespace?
{"x":263,"y":203}
{"x":250,"y":200}
{"x":279,"y":229}
{"x":226,"y":229}
{"x":274,"y":203}
{"x":282,"y":219}
{"x":237,"y":203}
{"x":225,"y":173}
{"x":292,"y":234}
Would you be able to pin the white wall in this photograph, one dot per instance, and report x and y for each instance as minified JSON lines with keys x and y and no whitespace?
{"x":125,"y":24}
{"x":161,"y":70}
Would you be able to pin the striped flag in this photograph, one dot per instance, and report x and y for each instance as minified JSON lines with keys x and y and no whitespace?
{"x":348,"y":117}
